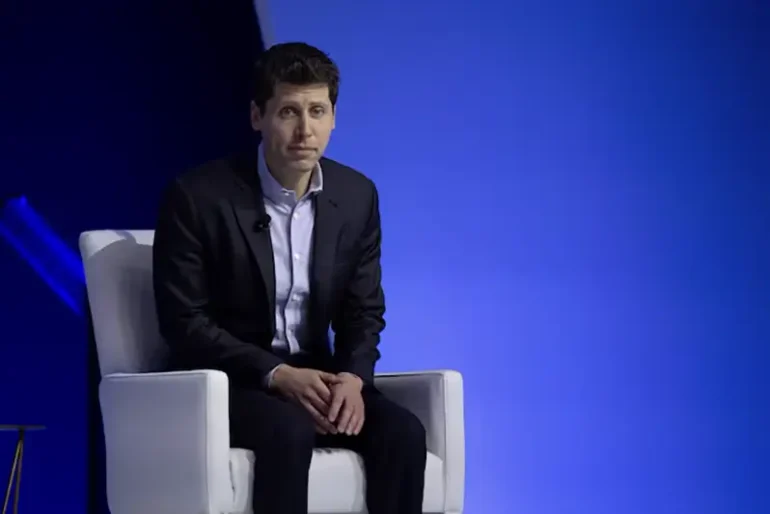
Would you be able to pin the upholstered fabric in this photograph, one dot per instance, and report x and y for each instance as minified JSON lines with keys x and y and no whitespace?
{"x":167,"y":439}
{"x":328,"y":470}
{"x":118,"y":267}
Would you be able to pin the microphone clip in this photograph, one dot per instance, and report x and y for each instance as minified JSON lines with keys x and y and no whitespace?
{"x":263,"y":223}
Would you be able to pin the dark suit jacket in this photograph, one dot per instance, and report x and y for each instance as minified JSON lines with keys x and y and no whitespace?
{"x":214,"y":276}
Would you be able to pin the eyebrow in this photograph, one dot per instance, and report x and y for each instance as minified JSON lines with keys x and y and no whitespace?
{"x":315,"y":103}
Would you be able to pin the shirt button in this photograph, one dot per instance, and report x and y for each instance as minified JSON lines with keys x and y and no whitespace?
{"x":296,"y":256}
{"x":296,"y":216}
{"x":295,"y":298}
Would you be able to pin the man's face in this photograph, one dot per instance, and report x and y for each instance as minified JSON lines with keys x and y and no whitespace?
{"x":295,"y":127}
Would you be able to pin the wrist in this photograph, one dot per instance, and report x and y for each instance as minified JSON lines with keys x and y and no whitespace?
{"x":346,"y":375}
{"x":278,"y":374}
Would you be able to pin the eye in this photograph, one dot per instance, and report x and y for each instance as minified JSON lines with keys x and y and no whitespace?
{"x":287,"y":112}
{"x":318,"y":111}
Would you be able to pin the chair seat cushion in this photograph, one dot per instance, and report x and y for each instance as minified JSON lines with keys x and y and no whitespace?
{"x":337,"y":482}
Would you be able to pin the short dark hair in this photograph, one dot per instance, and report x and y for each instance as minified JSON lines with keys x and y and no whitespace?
{"x":299,"y":64}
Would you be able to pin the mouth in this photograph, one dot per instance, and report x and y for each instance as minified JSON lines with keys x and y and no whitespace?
{"x":301,"y":149}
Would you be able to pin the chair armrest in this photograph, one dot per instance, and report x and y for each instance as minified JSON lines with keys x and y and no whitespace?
{"x":436,"y":398}
{"x":167,"y":442}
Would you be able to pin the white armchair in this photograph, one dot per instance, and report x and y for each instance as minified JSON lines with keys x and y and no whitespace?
{"x":166,"y":433}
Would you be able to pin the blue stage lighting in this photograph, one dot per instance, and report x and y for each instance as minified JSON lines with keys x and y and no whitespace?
{"x":55,"y":262}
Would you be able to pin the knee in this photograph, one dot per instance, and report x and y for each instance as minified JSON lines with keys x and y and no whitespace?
{"x":296,"y":435}
{"x":414,"y":432}
{"x":408,"y":433}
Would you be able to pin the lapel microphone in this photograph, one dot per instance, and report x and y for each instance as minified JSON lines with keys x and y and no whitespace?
{"x":263,"y":223}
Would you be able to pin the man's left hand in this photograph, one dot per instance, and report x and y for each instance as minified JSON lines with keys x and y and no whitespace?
{"x":347,"y":408}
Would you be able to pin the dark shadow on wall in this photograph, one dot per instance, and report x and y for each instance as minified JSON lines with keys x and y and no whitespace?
{"x":96,"y":489}
{"x":103,"y":104}
{"x":107,"y":101}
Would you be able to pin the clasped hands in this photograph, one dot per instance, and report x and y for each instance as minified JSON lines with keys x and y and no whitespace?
{"x":334,"y":401}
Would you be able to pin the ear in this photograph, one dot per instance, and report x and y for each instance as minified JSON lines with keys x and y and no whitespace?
{"x":334,"y":117}
{"x":256,"y":117}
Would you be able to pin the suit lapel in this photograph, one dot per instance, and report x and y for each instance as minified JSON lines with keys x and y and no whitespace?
{"x":261,"y":247}
{"x":326,"y":232}
{"x":250,"y":214}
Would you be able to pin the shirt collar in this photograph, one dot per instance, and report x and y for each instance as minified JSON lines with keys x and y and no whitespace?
{"x":275,"y":191}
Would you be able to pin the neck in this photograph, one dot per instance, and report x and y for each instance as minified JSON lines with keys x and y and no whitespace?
{"x":291,"y":180}
{"x":297,"y":181}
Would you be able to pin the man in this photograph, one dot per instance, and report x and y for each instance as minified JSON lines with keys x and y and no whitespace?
{"x":255,"y":257}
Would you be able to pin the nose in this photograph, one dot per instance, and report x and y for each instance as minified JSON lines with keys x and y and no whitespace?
{"x":303,"y":126}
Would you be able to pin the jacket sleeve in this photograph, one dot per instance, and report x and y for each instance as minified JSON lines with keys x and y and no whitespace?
{"x":180,"y":277}
{"x":359,"y":321}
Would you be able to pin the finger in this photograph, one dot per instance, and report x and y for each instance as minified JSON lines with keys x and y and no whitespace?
{"x":316,"y":401}
{"x":319,"y":419}
{"x":357,"y":413}
{"x":348,"y":430}
{"x":347,"y":412}
{"x":322,"y":390}
{"x":317,"y":416}
{"x":359,"y":425}
{"x":330,"y":378}
{"x":338,"y":401}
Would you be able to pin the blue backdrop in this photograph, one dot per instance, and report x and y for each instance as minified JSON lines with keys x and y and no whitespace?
{"x":576,"y":203}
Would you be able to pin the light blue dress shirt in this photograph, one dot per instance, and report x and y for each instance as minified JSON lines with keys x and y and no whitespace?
{"x":291,"y":232}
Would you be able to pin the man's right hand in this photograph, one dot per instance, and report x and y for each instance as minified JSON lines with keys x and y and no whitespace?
{"x":309,"y":388}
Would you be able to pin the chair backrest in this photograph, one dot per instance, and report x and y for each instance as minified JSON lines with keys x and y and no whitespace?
{"x":118,"y":271}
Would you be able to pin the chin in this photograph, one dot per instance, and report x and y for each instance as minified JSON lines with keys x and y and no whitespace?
{"x":303,"y":165}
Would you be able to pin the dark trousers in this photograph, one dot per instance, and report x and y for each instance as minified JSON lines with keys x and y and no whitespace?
{"x":282,"y":436}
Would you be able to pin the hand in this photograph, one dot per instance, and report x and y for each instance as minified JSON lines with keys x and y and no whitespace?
{"x":347,"y":406}
{"x":309,"y":388}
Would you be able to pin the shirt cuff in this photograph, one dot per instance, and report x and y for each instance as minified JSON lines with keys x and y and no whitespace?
{"x":268,"y":382}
